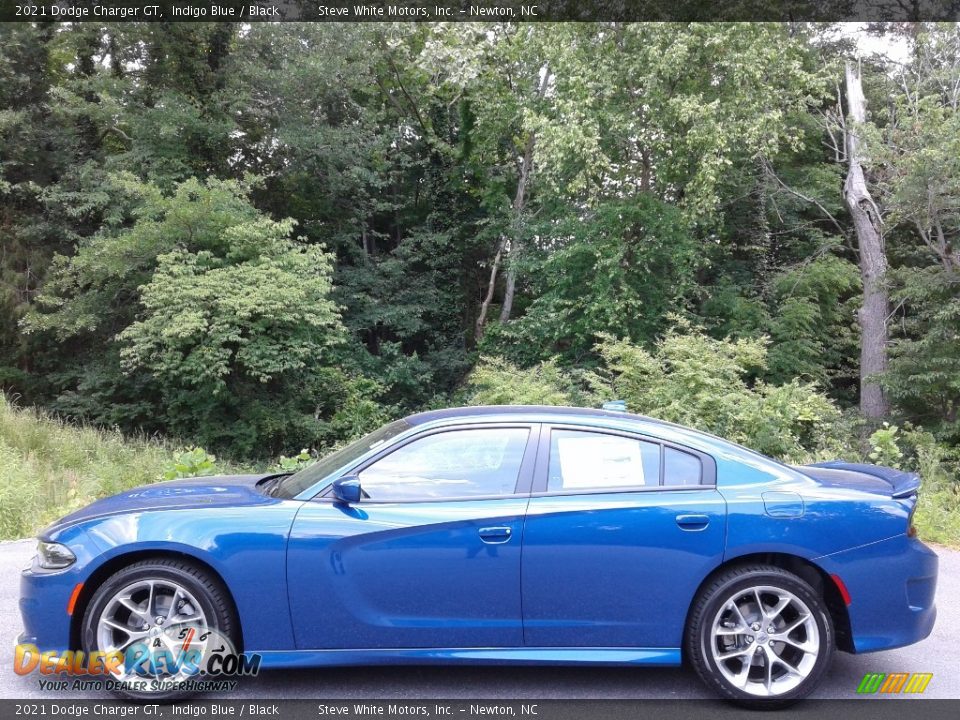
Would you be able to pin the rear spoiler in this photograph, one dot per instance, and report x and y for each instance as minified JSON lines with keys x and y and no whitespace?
{"x":903,"y":484}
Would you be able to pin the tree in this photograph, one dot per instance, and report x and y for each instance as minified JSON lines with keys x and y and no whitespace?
{"x":220,"y":317}
{"x":620,"y":269}
{"x":498,"y":75}
{"x":270,"y":236}
{"x":917,"y":156}
{"x":35,"y":151}
{"x":812,"y":328}
{"x":873,"y":259}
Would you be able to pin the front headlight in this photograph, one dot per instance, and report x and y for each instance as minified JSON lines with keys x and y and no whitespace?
{"x":54,"y":556}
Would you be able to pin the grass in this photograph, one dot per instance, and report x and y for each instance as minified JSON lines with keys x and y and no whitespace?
{"x":938,"y":516}
{"x":938,"y":513}
{"x":49,"y":467}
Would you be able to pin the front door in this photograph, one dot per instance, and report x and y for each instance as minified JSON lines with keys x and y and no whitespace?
{"x":430,"y":557}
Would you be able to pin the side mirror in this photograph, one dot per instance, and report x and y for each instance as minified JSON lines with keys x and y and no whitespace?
{"x":347,"y":489}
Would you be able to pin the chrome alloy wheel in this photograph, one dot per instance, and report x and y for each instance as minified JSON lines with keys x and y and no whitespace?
{"x":160,"y":614}
{"x":765,"y":641}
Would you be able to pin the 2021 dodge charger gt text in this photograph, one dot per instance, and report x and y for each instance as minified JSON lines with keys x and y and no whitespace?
{"x":505,"y":535}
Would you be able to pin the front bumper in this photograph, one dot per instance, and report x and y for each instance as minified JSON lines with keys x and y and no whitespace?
{"x":45,"y":595}
{"x":44,"y":598}
{"x":892,"y":585}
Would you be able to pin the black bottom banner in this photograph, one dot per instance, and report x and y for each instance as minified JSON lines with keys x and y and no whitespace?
{"x":860,"y":709}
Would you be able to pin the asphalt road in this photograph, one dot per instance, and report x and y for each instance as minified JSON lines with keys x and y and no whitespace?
{"x":938,"y":654}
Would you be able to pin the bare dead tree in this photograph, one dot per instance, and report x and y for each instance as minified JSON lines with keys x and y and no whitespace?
{"x":873,"y":259}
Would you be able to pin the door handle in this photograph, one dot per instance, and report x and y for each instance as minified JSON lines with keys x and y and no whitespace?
{"x":495,"y":535}
{"x":692,"y":522}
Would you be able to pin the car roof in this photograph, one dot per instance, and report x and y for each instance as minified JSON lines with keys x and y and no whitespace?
{"x":697,"y":439}
{"x":546,"y":411}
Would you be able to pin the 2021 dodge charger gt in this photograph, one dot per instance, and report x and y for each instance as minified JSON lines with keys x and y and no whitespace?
{"x":504,"y":535}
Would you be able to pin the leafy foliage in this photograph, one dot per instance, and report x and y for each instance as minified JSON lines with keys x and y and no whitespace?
{"x":297,"y":462}
{"x":883,"y":446}
{"x":938,"y":511}
{"x":266,"y":238}
{"x":710,"y":384}
{"x":924,"y":376}
{"x":192,"y":462}
{"x":621,"y":270}
{"x":497,"y":382}
{"x":690,"y":379}
{"x":205,"y":299}
{"x":813,"y":328}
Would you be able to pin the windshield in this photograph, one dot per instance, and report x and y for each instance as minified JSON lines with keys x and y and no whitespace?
{"x":298,"y":482}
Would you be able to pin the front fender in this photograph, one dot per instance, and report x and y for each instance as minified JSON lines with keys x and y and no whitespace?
{"x":245,"y":546}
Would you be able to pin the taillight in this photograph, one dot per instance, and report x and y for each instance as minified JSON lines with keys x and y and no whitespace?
{"x":911,"y":528}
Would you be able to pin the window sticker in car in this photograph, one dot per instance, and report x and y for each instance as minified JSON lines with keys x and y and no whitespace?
{"x":592,"y":460}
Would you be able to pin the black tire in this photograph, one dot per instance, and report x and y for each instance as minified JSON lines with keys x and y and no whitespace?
{"x":209,"y":593}
{"x":735,"y":583}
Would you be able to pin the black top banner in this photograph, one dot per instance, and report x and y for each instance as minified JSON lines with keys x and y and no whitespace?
{"x":531,"y":709}
{"x":478,"y":10}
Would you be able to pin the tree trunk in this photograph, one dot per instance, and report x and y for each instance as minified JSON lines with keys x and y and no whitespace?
{"x":491,"y":285}
{"x":873,"y":259}
{"x":519,"y":203}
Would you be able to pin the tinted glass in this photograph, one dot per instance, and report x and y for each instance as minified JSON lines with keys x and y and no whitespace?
{"x":455,"y":464}
{"x":589,"y":461}
{"x":298,"y":482}
{"x":680,"y":468}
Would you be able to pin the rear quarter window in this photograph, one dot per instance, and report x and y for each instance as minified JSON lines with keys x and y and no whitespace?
{"x":681,"y":468}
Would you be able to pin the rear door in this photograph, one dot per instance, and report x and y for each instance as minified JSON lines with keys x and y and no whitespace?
{"x":430,"y":557}
{"x":620,"y":531}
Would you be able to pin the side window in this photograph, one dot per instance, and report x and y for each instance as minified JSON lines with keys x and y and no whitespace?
{"x":455,"y":464}
{"x":581,"y":460}
{"x":680,"y":468}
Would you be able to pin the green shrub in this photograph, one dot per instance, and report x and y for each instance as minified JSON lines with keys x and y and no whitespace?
{"x":938,"y":513}
{"x":193,"y":462}
{"x":297,"y":462}
{"x":711,"y":385}
{"x":49,"y":467}
{"x":497,"y":382}
{"x":690,"y":379}
{"x":884,"y":449}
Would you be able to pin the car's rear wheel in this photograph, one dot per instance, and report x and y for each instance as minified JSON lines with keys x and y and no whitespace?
{"x":164,"y":615}
{"x":761,"y":635}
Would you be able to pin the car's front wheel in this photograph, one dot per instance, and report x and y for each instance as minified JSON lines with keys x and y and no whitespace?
{"x":760,"y":634}
{"x":163,"y":616}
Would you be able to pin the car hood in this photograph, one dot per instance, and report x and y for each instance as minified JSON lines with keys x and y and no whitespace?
{"x":205,"y":492}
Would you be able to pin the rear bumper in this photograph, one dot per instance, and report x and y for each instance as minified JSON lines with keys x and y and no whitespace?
{"x":892,"y":585}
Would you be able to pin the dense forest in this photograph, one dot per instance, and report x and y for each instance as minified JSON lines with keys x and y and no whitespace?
{"x":261,"y":238}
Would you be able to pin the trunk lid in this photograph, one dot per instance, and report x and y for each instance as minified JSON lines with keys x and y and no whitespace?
{"x":875,"y":479}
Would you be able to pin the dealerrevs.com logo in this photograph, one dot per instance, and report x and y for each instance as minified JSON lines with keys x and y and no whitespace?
{"x":894,"y":683}
{"x":198,"y":661}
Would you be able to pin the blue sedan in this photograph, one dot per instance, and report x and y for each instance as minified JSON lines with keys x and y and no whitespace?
{"x":504,"y":535}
